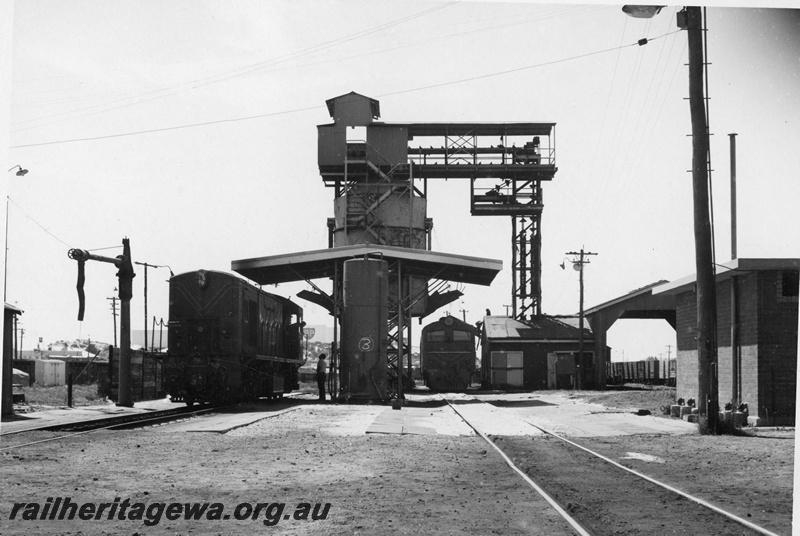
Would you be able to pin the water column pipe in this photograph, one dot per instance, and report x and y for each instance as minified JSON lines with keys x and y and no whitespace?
{"x":125,"y":274}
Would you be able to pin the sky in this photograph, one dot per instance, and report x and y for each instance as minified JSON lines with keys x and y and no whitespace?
{"x":189,"y":127}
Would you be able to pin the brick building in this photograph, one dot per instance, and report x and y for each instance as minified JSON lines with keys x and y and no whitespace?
{"x":757,"y":326}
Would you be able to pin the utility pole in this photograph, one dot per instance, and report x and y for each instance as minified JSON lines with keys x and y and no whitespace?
{"x":706,"y":285}
{"x":15,"y":353}
{"x":691,"y":19}
{"x":114,"y":316}
{"x":578,"y":265}
{"x":146,"y":265}
{"x":145,"y":300}
{"x":463,"y":314}
{"x":669,"y":351}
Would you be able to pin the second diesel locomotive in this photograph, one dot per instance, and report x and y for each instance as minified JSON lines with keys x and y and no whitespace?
{"x":229,"y":340}
{"x":447,"y":354}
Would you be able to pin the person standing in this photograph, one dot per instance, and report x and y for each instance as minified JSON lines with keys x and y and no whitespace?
{"x":321,"y":376}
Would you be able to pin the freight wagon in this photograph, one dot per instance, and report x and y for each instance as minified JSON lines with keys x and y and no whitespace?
{"x":649,"y":371}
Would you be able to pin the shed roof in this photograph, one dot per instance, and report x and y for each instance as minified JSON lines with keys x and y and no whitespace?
{"x":516,"y":128}
{"x":726,"y":270}
{"x":541,"y":328}
{"x":13,"y":309}
{"x":375,"y":107}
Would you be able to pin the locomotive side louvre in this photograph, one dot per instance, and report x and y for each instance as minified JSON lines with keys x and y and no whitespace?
{"x":447,"y":354}
{"x":229,"y":340}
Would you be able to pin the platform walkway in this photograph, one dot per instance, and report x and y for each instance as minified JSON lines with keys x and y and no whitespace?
{"x":31,"y":420}
{"x":501,"y":414}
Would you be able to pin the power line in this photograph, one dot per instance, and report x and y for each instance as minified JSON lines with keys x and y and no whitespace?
{"x":36,"y":222}
{"x":165,"y":129}
{"x":297,"y":110}
{"x":167,"y":91}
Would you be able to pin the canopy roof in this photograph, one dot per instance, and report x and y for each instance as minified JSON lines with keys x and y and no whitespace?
{"x":321,"y":263}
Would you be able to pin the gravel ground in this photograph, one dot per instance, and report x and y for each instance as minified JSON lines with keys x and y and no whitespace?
{"x":319,"y":454}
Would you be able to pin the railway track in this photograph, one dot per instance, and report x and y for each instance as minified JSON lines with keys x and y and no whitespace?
{"x":115,"y":422}
{"x":598,"y":496}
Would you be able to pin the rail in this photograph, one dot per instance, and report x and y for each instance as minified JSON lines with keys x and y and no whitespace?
{"x":566,"y":515}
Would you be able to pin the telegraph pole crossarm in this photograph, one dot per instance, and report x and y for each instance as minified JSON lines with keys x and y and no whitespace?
{"x":579,"y":267}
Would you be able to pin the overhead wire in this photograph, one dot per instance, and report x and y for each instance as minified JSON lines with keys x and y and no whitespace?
{"x":618,"y":169}
{"x":42,"y":227}
{"x":308,"y":108}
{"x":608,"y":176}
{"x":635,"y":146}
{"x":282,"y":59}
{"x":442,"y":37}
{"x":507,"y":71}
{"x":644,"y":140}
{"x":163,"y":92}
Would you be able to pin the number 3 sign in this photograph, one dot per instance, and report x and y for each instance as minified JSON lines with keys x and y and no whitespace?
{"x":365,"y":344}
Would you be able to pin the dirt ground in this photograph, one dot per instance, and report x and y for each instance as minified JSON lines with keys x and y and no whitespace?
{"x":319,"y":455}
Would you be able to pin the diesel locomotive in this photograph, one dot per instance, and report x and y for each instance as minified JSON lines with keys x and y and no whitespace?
{"x":229,"y":340}
{"x":447,"y":354}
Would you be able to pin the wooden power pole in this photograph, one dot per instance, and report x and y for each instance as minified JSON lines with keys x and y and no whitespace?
{"x":706,"y":284}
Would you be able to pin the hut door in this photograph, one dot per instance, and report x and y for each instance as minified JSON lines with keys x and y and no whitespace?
{"x":552,"y":367}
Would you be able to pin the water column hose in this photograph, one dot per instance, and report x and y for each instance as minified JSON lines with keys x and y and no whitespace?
{"x":79,"y":286}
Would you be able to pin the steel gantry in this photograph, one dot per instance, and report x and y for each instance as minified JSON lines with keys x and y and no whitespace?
{"x":505,"y":164}
{"x":379,"y":172}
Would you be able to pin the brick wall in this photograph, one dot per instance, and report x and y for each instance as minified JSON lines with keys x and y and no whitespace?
{"x":767,"y":341}
{"x":686,"y":340}
{"x":747,"y":338}
{"x":686,"y":384}
{"x":777,"y":328}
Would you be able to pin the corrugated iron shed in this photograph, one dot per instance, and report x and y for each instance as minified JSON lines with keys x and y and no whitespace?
{"x":542,"y":328}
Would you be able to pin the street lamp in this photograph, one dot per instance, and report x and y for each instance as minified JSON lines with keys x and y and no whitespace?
{"x":21,"y":172}
{"x":642,"y":12}
{"x":691,"y":19}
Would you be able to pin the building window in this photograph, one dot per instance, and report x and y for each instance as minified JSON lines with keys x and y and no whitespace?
{"x":789,"y":286}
